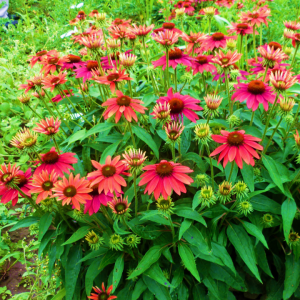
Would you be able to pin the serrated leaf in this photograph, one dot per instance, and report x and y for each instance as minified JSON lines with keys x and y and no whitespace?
{"x":288,"y":211}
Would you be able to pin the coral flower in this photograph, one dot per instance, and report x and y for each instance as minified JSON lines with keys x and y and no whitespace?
{"x":102,"y":294}
{"x":164,"y":177}
{"x":8,"y":173}
{"x":166,"y":38}
{"x":112,"y":78}
{"x":118,"y":32}
{"x":85,"y":72}
{"x":123,"y":105}
{"x":296,"y":39}
{"x":58,"y":162}
{"x":271,"y":55}
{"x":37,"y":57}
{"x":48,"y":126}
{"x":226,"y":59}
{"x":181,"y":105}
{"x":292,"y":25}
{"x":141,"y":30}
{"x":134,"y":158}
{"x":73,"y":190}
{"x":119,"y":206}
{"x":174,"y":130}
{"x":53,"y":81}
{"x":52,"y":62}
{"x":127,"y":60}
{"x":194,"y":40}
{"x":202,"y":63}
{"x":108,"y":176}
{"x":282,"y":80}
{"x":161,"y":111}
{"x":32,"y":83}
{"x":240,"y":28}
{"x":9,"y":193}
{"x":168,"y":26}
{"x":42,"y":185}
{"x":216,"y":40}
{"x":122,"y":22}
{"x":256,"y":17}
{"x":176,"y":56}
{"x":237,"y":147}
{"x":72,"y":62}
{"x":92,"y":41}
{"x":254,"y":92}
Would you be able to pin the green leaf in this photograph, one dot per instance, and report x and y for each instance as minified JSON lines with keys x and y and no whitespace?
{"x":184,"y":227}
{"x":60,"y":295}
{"x":45,"y":223}
{"x":45,"y":241}
{"x":100,"y":128}
{"x":94,"y":254}
{"x":188,"y":213}
{"x":72,"y":270}
{"x":151,"y":256}
{"x":160,"y":292}
{"x":234,"y":171}
{"x":195,"y":237}
{"x":178,"y":277}
{"x":243,"y":245}
{"x":211,"y":286}
{"x":265,"y":204}
{"x":270,"y":165}
{"x":199,"y":291}
{"x":86,"y":158}
{"x":109,"y":258}
{"x":119,"y":230}
{"x":253,"y":230}
{"x":188,"y":259}
{"x":91,"y":273}
{"x":262,"y":259}
{"x":118,"y":271}
{"x":157,"y":274}
{"x":139,"y":288}
{"x":25,"y":223}
{"x":248,"y":176}
{"x":77,"y":136}
{"x":288,"y":211}
{"x":110,"y":150}
{"x":148,"y":232}
{"x":146,"y":137}
{"x":79,"y":234}
{"x":149,"y":213}
{"x":292,"y":276}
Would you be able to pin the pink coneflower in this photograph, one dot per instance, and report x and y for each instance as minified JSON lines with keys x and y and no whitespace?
{"x":187,"y":7}
{"x":112,"y":78}
{"x":166,"y":38}
{"x":119,"y":206}
{"x":123,"y":22}
{"x":9,"y":193}
{"x":296,"y":39}
{"x":93,"y":206}
{"x":102,"y":294}
{"x":141,"y":30}
{"x":108,"y":176}
{"x":164,"y":177}
{"x":161,"y":111}
{"x":74,"y":21}
{"x":181,"y":105}
{"x":42,"y":185}
{"x":73,"y":190}
{"x":52,"y":62}
{"x":85,"y":72}
{"x":92,"y":41}
{"x":292,"y":25}
{"x":254,"y":92}
{"x":72,"y":62}
{"x":81,"y":15}
{"x":216,"y":40}
{"x":209,"y":11}
{"x":37,"y":57}
{"x":127,"y":60}
{"x":134,"y":158}
{"x":118,"y":32}
{"x":32,"y":83}
{"x":53,"y":81}
{"x":169,"y":26}
{"x":8,"y":173}
{"x":282,"y":80}
{"x":237,"y":147}
{"x":225,"y":3}
{"x":94,"y":13}
{"x":225,"y":60}
{"x":59,"y":97}
{"x":176,"y":56}
{"x":271,"y":55}
{"x":202,"y":63}
{"x":48,"y":126}
{"x":60,"y":163}
{"x":123,"y":105}
{"x":256,"y":17}
{"x":173,"y":130}
{"x":194,"y":40}
{"x":240,"y":28}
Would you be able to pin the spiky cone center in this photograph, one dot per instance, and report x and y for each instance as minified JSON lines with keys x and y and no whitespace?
{"x":103,"y":296}
{"x":245,"y":207}
{"x":175,"y":53}
{"x":73,"y":58}
{"x":164,"y":204}
{"x":50,"y":158}
{"x":41,"y":53}
{"x":92,"y":237}
{"x":92,"y":65}
{"x":173,"y":135}
{"x":242,"y":26}
{"x":24,"y":99}
{"x":267,"y":218}
{"x":133,"y":240}
{"x":235,"y":138}
{"x":202,"y":60}
{"x":70,"y":191}
{"x":287,"y":105}
{"x":112,"y":77}
{"x":6,"y":177}
{"x":120,"y":208}
{"x":168,"y":25}
{"x":256,"y":87}
{"x":47,"y":185}
{"x":225,"y":188}
{"x":275,"y":45}
{"x":164,"y":169}
{"x":218,"y":36}
{"x":124,"y":101}
{"x":176,"y":105}
{"x":202,"y":130}
{"x":241,"y":187}
{"x":108,"y":170}
{"x":20,"y":180}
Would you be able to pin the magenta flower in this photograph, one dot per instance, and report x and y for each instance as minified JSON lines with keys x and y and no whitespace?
{"x":216,"y":40}
{"x":202,"y":63}
{"x":85,"y":72}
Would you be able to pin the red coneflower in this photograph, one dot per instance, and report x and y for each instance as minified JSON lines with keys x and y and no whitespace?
{"x":43,"y":184}
{"x":166,"y":38}
{"x":108,"y":176}
{"x":123,"y":22}
{"x":92,"y":41}
{"x":37,"y":57}
{"x":72,"y":62}
{"x":8,"y":172}
{"x":102,"y":294}
{"x":224,"y":60}
{"x":216,"y":40}
{"x":173,"y":130}
{"x":123,"y":105}
{"x":237,"y":147}
{"x":164,"y":177}
{"x":194,"y":40}
{"x":32,"y":83}
{"x":48,"y":126}
{"x":118,"y":32}
{"x":181,"y":105}
{"x":256,"y":17}
{"x":85,"y":72}
{"x":127,"y":60}
{"x":112,"y":78}
{"x":161,"y":111}
{"x":271,"y":54}
{"x":81,"y":15}
{"x":202,"y":63}
{"x":240,"y":28}
{"x":141,"y":30}
{"x":73,"y":190}
{"x":52,"y":62}
{"x":53,"y":161}
{"x":119,"y":206}
{"x":53,"y":81}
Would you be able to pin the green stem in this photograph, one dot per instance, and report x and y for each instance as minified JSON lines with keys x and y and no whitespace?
{"x":97,"y":221}
{"x":66,"y":220}
{"x":173,"y":233}
{"x":132,"y":136}
{"x":254,"y":43}
{"x":211,"y":168}
{"x":241,"y":51}
{"x":135,"y":193}
{"x":105,"y":212}
{"x":56,"y":145}
{"x":34,"y":111}
{"x":246,"y":52}
{"x":231,"y":169}
{"x":130,"y":89}
{"x":204,"y":83}
{"x":265,"y":74}
{"x":175,"y":79}
{"x":260,"y":35}
{"x":294,"y":57}
{"x":228,"y":94}
{"x":167,"y":68}
{"x":173,"y":151}
{"x":252,"y":117}
{"x":209,"y":25}
{"x":274,"y":131}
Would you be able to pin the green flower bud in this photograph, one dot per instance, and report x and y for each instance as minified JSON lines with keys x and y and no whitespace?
{"x":133,"y":240}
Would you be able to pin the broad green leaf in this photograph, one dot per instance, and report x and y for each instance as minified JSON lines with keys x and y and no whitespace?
{"x":118,"y":271}
{"x":158,"y":290}
{"x":100,"y":128}
{"x":60,"y":295}
{"x":199,"y":291}
{"x":108,"y":259}
{"x":262,"y":259}
{"x":110,"y":150}
{"x":234,"y":171}
{"x":139,"y":288}
{"x":288,"y":211}
{"x":150,"y":213}
{"x":275,"y":289}
{"x":157,"y":274}
{"x":292,"y":276}
{"x":195,"y":237}
{"x":77,"y":136}
{"x":91,"y":273}
{"x":45,"y":241}
{"x":146,"y":137}
{"x":72,"y":270}
{"x":248,"y":176}
{"x":79,"y":234}
{"x":151,"y":256}
{"x":188,"y":259}
{"x":94,"y":254}
{"x":211,"y":286}
{"x":243,"y":245}
{"x":189,"y":214}
{"x":148,"y":232}
{"x":253,"y":230}
{"x":45,"y":223}
{"x":86,"y":158}
{"x":119,"y":230}
{"x":184,"y":227}
{"x":178,"y":277}
{"x":265,"y":204}
{"x":25,"y":223}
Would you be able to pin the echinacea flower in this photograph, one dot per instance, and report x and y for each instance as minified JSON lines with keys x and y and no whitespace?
{"x":203,"y":63}
{"x":194,"y":40}
{"x":168,"y":26}
{"x":37,"y":57}
{"x":123,"y":22}
{"x":254,"y":92}
{"x":52,"y":62}
{"x":176,"y":56}
{"x":161,"y":112}
{"x":296,"y":39}
{"x":212,"y":104}
{"x":8,"y":173}
{"x":102,"y":294}
{"x":32,"y":83}
{"x":141,"y":30}
{"x":81,"y":15}
{"x":113,"y":44}
{"x":118,"y":32}
{"x":256,"y":17}
{"x":225,"y":60}
{"x":48,"y":126}
{"x":237,"y":146}
{"x":292,"y":25}
{"x":127,"y":60}
{"x":120,"y":206}
{"x":282,"y":80}
{"x":42,"y":184}
{"x":240,"y":28}
{"x":73,"y":190}
{"x":24,"y":98}
{"x":181,"y":105}
{"x":271,"y":55}
{"x":53,"y":161}
{"x":92,"y":42}
{"x":216,"y":40}
{"x":173,"y":131}
{"x":123,"y":105}
{"x":108,"y":176}
{"x":296,"y":136}
{"x":112,"y":78}
{"x":53,"y":81}
{"x":166,"y":38}
{"x":134,"y":158}
{"x":85,"y":72}
{"x":164,"y":177}
{"x":72,"y":62}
